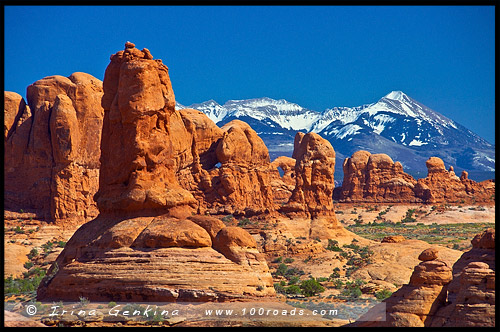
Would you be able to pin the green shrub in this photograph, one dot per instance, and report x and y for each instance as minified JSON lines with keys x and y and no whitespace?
{"x":293,"y":280}
{"x":383,"y":294}
{"x":279,"y":288}
{"x":293,"y":290}
{"x":338,"y":284}
{"x":281,"y":270}
{"x":311,"y":287}
{"x":352,"y":293}
{"x":409,"y":216}
{"x":277,"y":259}
{"x":29,"y":283}
{"x":32,"y":254}
{"x":244,"y":222}
{"x":333,"y":245}
{"x":227,"y":218}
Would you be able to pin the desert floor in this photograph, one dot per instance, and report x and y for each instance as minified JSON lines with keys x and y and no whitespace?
{"x":31,"y":246}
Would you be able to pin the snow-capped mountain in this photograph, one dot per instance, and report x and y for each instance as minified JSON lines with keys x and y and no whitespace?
{"x":287,"y":115}
{"x":397,"y":125}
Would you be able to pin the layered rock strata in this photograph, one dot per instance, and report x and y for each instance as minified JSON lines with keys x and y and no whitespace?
{"x":145,"y":245}
{"x":52,"y":148}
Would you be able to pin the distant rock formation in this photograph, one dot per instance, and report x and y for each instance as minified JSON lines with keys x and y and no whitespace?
{"x":376,"y":178}
{"x":442,"y":186}
{"x":314,"y":177}
{"x":438,"y":295}
{"x":244,"y":176}
{"x":146,"y":245}
{"x":52,"y":147}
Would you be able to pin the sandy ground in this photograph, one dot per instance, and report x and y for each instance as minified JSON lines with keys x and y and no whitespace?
{"x":347,"y":214}
{"x":22,"y":234}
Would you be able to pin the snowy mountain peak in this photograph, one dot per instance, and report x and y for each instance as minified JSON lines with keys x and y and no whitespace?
{"x":396,"y":95}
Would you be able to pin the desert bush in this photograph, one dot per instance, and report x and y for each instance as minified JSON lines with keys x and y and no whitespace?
{"x":293,"y":290}
{"x":311,"y":287}
{"x":383,"y":294}
{"x":333,"y":245}
{"x":409,"y":216}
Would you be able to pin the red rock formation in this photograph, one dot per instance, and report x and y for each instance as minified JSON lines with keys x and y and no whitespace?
{"x":437,"y":295}
{"x":138,"y":169}
{"x":393,"y":239}
{"x":415,"y":304}
{"x":52,"y":147}
{"x":471,"y":294}
{"x":143,"y":246}
{"x":283,"y":185}
{"x":441,"y":185}
{"x":244,"y":177}
{"x":375,"y":178}
{"x":314,"y":177}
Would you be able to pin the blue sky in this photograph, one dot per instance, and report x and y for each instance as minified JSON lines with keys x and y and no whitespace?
{"x":317,"y":57}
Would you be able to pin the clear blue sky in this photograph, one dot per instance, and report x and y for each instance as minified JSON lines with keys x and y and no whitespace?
{"x":318,"y":57}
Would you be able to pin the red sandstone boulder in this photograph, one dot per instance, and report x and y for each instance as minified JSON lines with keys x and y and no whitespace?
{"x":393,"y":239}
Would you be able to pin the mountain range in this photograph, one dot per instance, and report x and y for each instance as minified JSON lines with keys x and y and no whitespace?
{"x":397,"y":125}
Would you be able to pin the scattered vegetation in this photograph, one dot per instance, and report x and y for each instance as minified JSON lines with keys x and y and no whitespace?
{"x":333,"y":245}
{"x":28,"y":283}
{"x":227,"y":218}
{"x":409,"y":216}
{"x":456,"y":236}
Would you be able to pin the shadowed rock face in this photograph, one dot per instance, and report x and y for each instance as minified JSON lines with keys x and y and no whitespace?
{"x":145,"y":245}
{"x":376,"y":178}
{"x":52,"y":147}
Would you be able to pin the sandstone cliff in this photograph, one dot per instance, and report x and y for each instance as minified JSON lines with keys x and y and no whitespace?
{"x":52,"y":147}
